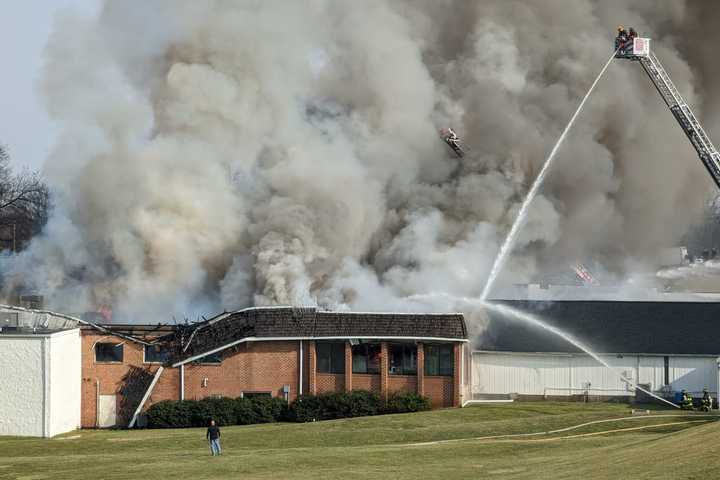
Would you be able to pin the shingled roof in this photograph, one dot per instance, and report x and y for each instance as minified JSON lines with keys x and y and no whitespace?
{"x":288,"y":322}
{"x":683,"y":328}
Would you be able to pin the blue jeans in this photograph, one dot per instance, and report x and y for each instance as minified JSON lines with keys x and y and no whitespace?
{"x":215,"y":447}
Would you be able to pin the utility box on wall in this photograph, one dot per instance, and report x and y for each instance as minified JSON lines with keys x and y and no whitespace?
{"x":40,"y":387}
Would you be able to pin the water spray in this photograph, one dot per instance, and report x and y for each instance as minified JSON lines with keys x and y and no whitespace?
{"x":526,"y":317}
{"x":522,"y":214}
{"x":533,"y":320}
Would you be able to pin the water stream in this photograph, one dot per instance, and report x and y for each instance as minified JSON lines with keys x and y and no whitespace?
{"x":533,"y":320}
{"x":507,"y":246}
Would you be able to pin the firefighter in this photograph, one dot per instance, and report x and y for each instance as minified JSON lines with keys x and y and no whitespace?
{"x":621,"y":40}
{"x":706,"y":400}
{"x":633,"y":34}
{"x":687,"y":400}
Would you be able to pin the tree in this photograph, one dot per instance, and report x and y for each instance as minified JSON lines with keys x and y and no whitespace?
{"x":24,"y":204}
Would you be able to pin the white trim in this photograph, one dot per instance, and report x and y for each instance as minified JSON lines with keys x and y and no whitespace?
{"x":280,"y":339}
{"x":182,"y":382}
{"x":319,"y":310}
{"x":467,"y":402}
{"x":145,"y":397}
{"x":300,"y":374}
{"x":60,"y":333}
{"x":45,"y":366}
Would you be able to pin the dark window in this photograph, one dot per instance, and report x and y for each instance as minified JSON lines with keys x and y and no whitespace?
{"x":156,"y":354}
{"x":330,"y":357}
{"x":403,"y":359}
{"x":212,"y":358}
{"x":439,"y":359}
{"x":666,"y":370}
{"x":256,"y":395}
{"x":366,"y":358}
{"x":108,"y":352}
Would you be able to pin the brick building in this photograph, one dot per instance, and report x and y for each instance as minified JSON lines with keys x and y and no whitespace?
{"x":278,"y":351}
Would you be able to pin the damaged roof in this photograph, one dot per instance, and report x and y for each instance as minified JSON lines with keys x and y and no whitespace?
{"x":310,"y":323}
{"x":666,"y":328}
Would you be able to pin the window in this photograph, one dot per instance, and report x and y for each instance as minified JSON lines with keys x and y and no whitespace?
{"x":366,"y":358}
{"x":439,"y":359}
{"x":403,"y":359}
{"x":212,"y":358}
{"x":256,"y":395}
{"x":330,"y":357}
{"x":156,"y":354}
{"x":108,"y":352}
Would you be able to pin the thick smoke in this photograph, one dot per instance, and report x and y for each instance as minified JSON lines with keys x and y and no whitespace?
{"x":222,"y":154}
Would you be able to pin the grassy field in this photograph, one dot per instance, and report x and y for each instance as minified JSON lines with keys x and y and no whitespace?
{"x":447,"y":444}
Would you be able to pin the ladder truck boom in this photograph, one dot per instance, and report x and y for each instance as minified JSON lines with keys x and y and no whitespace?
{"x":629,"y":46}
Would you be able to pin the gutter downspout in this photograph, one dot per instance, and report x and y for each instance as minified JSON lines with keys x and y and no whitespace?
{"x":182,"y":382}
{"x":97,"y":403}
{"x":300,"y":375}
{"x":717,"y":393}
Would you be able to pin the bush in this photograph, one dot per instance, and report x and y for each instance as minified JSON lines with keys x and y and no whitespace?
{"x":306,"y":408}
{"x":169,"y":414}
{"x":244,"y":412}
{"x":269,"y":409}
{"x":220,"y":409}
{"x":406,"y":402}
{"x":363,"y":403}
{"x":328,"y":406}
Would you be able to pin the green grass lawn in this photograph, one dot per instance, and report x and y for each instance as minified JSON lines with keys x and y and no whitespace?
{"x":444,"y":444}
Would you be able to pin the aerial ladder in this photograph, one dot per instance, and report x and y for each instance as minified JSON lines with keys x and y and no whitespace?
{"x":631,"y":47}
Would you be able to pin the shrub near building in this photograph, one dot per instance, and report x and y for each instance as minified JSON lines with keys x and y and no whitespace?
{"x":307,"y":408}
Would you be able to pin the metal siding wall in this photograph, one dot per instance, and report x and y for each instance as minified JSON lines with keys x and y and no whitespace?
{"x":602,"y":380}
{"x":652,"y":371}
{"x":65,"y":380}
{"x":693,"y":373}
{"x":539,"y":374}
{"x":518,"y":373}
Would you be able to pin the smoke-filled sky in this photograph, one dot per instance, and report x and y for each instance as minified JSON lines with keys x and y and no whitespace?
{"x":221,"y":154}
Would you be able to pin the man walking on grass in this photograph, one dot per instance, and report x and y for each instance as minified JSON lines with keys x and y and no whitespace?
{"x":213,"y":436}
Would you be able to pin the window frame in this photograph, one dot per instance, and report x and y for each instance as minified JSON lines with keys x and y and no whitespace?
{"x":256,"y":394}
{"x":121,"y":345}
{"x":366,"y":347}
{"x":332,"y":368}
{"x":405,"y":347}
{"x":204,"y":361}
{"x":428,"y":357}
{"x":155,"y":362}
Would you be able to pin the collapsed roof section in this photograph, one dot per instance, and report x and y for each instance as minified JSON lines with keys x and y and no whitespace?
{"x":227,"y":331}
{"x":33,"y":320}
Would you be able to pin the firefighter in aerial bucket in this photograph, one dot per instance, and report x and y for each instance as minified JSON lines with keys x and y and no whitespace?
{"x":706,"y":404}
{"x":686,"y":403}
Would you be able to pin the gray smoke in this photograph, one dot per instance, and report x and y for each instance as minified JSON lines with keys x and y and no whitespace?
{"x":222,"y":154}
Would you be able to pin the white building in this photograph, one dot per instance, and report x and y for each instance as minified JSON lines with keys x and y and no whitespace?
{"x":40,"y":378}
{"x":663,"y":346}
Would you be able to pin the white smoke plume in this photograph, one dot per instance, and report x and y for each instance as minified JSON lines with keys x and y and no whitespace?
{"x":222,"y":154}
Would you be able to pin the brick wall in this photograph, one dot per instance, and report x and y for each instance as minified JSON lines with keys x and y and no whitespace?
{"x":256,"y":367}
{"x":330,"y":382}
{"x":440,"y":390}
{"x":402,"y":383}
{"x":111,"y":377}
{"x":364,"y":381}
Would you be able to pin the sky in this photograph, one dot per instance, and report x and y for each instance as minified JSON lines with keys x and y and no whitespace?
{"x":24,"y":126}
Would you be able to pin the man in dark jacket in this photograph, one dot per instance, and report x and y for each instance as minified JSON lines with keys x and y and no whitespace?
{"x":213,"y":437}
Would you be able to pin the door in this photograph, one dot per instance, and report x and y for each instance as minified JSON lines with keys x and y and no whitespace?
{"x":107,"y":411}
